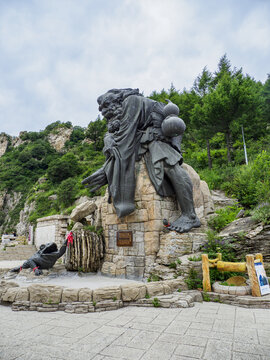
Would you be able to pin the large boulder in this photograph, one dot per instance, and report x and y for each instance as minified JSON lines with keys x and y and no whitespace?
{"x":248,"y":237}
{"x":83,"y":210}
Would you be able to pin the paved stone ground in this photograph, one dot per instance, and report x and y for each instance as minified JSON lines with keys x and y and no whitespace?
{"x":209,"y":331}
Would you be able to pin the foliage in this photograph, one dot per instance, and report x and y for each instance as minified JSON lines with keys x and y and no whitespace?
{"x":216,"y":245}
{"x":156,"y":302}
{"x":251,"y":184}
{"x":224,"y":217}
{"x":262,"y":213}
{"x":43,"y":207}
{"x":67,"y":191}
{"x":153,"y":277}
{"x":172,"y":265}
{"x":195,"y":258}
{"x":95,"y":132}
{"x":193,"y":281}
{"x":63,"y":168}
{"x":224,"y":283}
{"x":206,"y":297}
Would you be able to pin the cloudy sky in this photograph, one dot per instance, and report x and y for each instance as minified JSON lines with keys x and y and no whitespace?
{"x":58,"y":56}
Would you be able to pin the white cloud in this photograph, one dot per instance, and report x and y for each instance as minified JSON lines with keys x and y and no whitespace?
{"x":58,"y":56}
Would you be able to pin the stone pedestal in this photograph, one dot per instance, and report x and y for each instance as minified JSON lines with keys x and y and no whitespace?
{"x":145,"y":223}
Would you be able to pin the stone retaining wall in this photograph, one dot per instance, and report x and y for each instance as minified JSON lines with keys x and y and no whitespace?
{"x":168,"y":294}
{"x":43,"y":297}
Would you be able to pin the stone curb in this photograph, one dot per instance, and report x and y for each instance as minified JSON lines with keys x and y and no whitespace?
{"x":44,"y":298}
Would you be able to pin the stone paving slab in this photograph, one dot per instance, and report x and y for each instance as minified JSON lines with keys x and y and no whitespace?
{"x":138,"y":334}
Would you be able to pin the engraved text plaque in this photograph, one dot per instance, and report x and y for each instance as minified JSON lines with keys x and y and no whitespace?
{"x":124,"y":238}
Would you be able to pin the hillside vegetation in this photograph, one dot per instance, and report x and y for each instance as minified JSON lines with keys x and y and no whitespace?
{"x":218,"y":108}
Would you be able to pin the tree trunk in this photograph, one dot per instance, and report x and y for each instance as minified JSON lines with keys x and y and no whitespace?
{"x":209,"y":154}
{"x":229,"y":145}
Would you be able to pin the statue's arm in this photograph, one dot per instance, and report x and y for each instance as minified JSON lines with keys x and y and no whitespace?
{"x":62,"y":249}
{"x":96,"y":180}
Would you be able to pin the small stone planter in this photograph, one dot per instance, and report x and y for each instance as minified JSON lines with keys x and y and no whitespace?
{"x":232,"y":290}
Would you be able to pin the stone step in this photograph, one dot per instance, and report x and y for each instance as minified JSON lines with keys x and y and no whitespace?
{"x":17,"y":252}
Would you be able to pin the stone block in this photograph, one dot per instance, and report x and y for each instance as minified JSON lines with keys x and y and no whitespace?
{"x":133,"y":292}
{"x":120,"y":273}
{"x":153,"y":225}
{"x":45,"y":293}
{"x":10,"y":294}
{"x":154,"y":210}
{"x":122,"y":226}
{"x":107,"y":293}
{"x":70,"y":295}
{"x":134,"y":260}
{"x":155,"y":288}
{"x":85,"y":295}
{"x":112,"y":219}
{"x":134,"y":272}
{"x":81,"y":309}
{"x":137,"y":216}
{"x":108,"y":305}
{"x":151,"y":242}
{"x":108,"y":268}
{"x":22,"y":294}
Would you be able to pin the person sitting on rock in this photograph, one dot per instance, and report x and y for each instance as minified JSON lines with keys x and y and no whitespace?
{"x":43,"y":259}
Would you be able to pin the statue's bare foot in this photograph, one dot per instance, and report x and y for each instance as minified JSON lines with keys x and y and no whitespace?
{"x":185,"y":223}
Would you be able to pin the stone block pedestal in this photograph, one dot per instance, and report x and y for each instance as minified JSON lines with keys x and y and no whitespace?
{"x":146,"y":225}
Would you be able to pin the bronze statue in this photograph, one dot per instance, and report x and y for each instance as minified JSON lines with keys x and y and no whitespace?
{"x":44,"y":258}
{"x":136,"y":129}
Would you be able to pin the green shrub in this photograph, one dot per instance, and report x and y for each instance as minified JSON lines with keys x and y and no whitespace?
{"x":262,"y":213}
{"x":205,"y":296}
{"x":156,"y":302}
{"x":193,"y":281}
{"x":251,"y":184}
{"x":224,"y":217}
{"x":216,"y":245}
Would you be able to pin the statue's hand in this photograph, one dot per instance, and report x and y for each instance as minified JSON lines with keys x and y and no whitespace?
{"x":96,"y":180}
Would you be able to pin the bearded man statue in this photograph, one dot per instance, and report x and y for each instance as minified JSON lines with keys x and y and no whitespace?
{"x":135,"y":132}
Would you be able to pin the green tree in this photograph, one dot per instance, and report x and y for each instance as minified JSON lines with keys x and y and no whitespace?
{"x":63,"y":168}
{"x":201,"y":121}
{"x":96,"y":131}
{"x":67,"y":191}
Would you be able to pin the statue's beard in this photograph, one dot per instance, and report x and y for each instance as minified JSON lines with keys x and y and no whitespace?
{"x":113,"y":112}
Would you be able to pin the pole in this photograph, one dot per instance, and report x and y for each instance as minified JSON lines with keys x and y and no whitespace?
{"x":245,"y":149}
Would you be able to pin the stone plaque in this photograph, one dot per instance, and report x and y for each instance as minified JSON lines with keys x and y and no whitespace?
{"x":124,"y":238}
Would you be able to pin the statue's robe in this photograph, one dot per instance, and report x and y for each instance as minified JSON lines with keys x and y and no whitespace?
{"x":139,"y":136}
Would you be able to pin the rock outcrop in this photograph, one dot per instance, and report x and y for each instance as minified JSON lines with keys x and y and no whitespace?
{"x":58,"y":138}
{"x":4,"y":140}
{"x":248,"y":237}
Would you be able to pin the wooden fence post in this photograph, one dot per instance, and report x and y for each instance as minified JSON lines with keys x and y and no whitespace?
{"x":206,"y":276}
{"x":255,"y":288}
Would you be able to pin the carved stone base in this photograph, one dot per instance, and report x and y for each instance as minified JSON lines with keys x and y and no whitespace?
{"x":150,"y":238}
